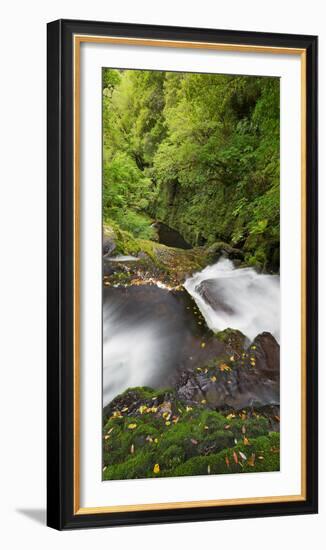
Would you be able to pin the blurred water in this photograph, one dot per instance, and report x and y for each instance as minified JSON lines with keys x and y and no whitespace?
{"x":237,"y":298}
{"x":145,"y":332}
{"x":149,"y":332}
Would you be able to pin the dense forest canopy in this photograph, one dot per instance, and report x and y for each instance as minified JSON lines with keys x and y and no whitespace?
{"x":199,"y":152}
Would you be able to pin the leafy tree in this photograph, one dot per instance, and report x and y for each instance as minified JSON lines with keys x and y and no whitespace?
{"x":198,"y":151}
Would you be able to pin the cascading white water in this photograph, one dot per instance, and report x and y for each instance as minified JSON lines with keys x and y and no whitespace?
{"x":121,"y":258}
{"x":128,"y":355}
{"x":147,"y":333}
{"x":241,"y":299}
{"x":140,"y":339}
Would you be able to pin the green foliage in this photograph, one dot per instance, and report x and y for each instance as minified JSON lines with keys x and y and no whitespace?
{"x":126,"y":194}
{"x":110,"y":79}
{"x":199,"y":151}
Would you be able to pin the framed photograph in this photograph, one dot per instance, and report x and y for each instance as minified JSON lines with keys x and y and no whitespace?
{"x":182,"y":274}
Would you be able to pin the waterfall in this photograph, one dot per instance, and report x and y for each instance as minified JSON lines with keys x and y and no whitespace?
{"x":130,"y":354}
{"x":150,"y":332}
{"x":241,"y":299}
{"x":143,"y":332}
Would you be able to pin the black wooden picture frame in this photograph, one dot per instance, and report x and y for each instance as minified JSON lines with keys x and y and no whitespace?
{"x":62,"y":507}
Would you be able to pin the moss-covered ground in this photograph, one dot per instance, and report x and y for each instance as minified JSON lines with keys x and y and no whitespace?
{"x":150,"y":433}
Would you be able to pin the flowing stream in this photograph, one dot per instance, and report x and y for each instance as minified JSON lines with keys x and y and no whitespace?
{"x":146,"y":332}
{"x":238,"y":298}
{"x":149,"y":332}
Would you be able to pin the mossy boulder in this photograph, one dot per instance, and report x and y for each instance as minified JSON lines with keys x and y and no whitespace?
{"x":259,"y":455}
{"x":221,"y":249}
{"x":155,"y":261}
{"x":170,"y":438}
{"x":234,"y":339}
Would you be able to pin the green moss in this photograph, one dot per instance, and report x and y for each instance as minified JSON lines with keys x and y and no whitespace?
{"x":194,"y":467}
{"x":172,"y":457}
{"x":180,"y":434}
{"x":216,"y":441}
{"x":145,"y":431}
{"x":139,"y":466}
{"x":262,"y":455}
{"x":192,"y":441}
{"x":211,"y":421}
{"x":234,"y":338}
{"x":254,"y":427}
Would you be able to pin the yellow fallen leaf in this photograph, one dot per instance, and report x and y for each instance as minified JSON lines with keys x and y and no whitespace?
{"x":232,"y":358}
{"x":251,"y":460}
{"x":156,"y":469}
{"x":213,"y":378}
{"x":224,"y":367}
{"x":188,"y":409}
{"x":155,"y":440}
{"x":142,"y":409}
{"x":167,"y":423}
{"x":246,"y":441}
{"x":203,"y":401}
{"x":203,"y":344}
{"x":132,"y":426}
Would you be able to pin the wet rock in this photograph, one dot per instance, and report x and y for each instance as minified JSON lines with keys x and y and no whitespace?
{"x":131,"y":401}
{"x":188,"y":387}
{"x":235,"y":341}
{"x":218,"y":249}
{"x":108,"y":243}
{"x":247,"y":378}
{"x":267,"y":355}
{"x":209,"y":290}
